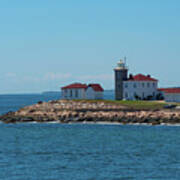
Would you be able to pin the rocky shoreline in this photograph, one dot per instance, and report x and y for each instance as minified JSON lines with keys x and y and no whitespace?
{"x":63,"y":111}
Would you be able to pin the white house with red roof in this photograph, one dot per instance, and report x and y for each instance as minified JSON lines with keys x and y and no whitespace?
{"x":170,"y":94}
{"x":82,"y":91}
{"x":134,"y":87}
{"x":140,"y":87}
{"x":74,"y":91}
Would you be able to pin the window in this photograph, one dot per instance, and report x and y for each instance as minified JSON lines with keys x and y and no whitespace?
{"x":65,"y":91}
{"x":135,"y":85}
{"x":148,"y":84}
{"x":126,"y":95}
{"x":154,"y":84}
{"x":143,"y":85}
{"x":126,"y":85}
{"x":71,"y":93}
{"x":118,"y":75}
{"x":76,"y":93}
{"x":135,"y":95}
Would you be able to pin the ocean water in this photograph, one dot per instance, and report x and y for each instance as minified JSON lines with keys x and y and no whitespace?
{"x":88,"y":152}
{"x":14,"y":102}
{"x":85,"y":152}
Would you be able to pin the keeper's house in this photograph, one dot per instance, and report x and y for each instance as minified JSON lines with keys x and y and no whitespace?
{"x":82,"y":91}
{"x":170,"y":94}
{"x":134,"y":87}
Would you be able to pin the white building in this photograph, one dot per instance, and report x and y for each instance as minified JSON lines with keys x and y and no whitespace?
{"x":94,"y":91}
{"x":82,"y":91}
{"x":138,"y":87}
{"x":171,"y":94}
{"x":74,"y":91}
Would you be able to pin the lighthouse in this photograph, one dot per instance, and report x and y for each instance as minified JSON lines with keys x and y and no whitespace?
{"x":121,"y":74}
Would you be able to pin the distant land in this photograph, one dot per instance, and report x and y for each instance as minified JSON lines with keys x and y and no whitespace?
{"x":51,"y":93}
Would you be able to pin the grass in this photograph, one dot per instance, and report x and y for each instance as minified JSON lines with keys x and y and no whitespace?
{"x":149,"y":105}
{"x":136,"y":105}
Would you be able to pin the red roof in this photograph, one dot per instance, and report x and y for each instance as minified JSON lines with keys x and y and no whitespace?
{"x":96,"y":87}
{"x":141,"y":77}
{"x":75,"y":86}
{"x":170,"y":90}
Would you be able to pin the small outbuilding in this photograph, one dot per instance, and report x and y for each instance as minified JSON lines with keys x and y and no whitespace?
{"x":82,"y":91}
{"x":94,"y":91}
{"x":171,"y":94}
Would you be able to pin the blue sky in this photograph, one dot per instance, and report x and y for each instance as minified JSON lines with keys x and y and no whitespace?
{"x":47,"y":44}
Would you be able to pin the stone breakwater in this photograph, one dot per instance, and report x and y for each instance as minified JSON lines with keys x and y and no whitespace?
{"x":81,"y":111}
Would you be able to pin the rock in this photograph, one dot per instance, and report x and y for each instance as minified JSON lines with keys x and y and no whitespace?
{"x":72,"y":111}
{"x":155,"y":123}
{"x":32,"y":110}
{"x":40,"y":102}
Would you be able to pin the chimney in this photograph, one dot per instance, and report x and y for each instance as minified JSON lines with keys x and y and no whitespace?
{"x":148,"y":76}
{"x":131,"y":76}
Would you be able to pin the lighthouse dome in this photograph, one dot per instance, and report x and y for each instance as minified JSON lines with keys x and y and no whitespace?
{"x":121,"y":65}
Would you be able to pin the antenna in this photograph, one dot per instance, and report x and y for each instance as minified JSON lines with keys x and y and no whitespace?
{"x":125,"y":59}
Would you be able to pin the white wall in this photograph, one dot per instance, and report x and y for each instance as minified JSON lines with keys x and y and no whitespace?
{"x":91,"y":94}
{"x":81,"y":94}
{"x":140,"y":88}
{"x":172,"y":97}
{"x":73,"y":93}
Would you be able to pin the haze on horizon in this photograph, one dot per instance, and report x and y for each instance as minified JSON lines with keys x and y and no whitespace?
{"x":48,"y":44}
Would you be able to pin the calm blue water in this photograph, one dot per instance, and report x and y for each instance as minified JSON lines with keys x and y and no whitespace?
{"x":88,"y":152}
{"x":15,"y":102}
{"x":85,"y":152}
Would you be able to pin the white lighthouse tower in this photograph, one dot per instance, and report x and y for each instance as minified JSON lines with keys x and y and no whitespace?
{"x":121,"y":74}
